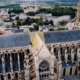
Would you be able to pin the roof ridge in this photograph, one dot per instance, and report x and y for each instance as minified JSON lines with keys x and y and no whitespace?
{"x":15,"y":34}
{"x":62,"y":36}
{"x":61,"y":31}
{"x":14,"y":40}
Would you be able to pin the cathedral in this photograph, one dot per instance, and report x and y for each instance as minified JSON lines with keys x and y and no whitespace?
{"x":51,"y":55}
{"x":40,"y":56}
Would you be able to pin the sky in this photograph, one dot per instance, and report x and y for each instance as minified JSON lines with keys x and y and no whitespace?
{"x":28,"y":0}
{"x":23,"y":0}
{"x":35,"y":0}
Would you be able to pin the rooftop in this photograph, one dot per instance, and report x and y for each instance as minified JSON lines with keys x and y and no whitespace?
{"x":61,"y":36}
{"x":17,"y":30}
{"x":14,"y":40}
{"x":71,"y":78}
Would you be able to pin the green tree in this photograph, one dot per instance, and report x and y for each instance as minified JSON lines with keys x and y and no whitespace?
{"x":51,"y":22}
{"x":8,"y":19}
{"x":39,"y":21}
{"x":60,"y":11}
{"x":63,"y":23}
{"x":19,"y":23}
{"x":44,"y":10}
{"x":14,"y":26}
{"x":17,"y":18}
{"x":62,"y":29}
{"x":15,"y":10}
{"x":30,"y":13}
{"x":46,"y":22}
{"x":51,"y":29}
{"x":31,"y":29}
{"x":36,"y":27}
{"x":23,"y":22}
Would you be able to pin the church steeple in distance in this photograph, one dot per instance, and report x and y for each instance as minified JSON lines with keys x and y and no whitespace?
{"x":36,"y":5}
{"x":78,"y":15}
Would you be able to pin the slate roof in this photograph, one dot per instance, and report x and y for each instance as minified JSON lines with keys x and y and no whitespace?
{"x":61,"y":36}
{"x":14,"y":40}
{"x":72,"y":78}
{"x":17,"y":30}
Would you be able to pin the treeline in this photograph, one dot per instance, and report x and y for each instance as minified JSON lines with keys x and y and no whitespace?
{"x":15,"y":10}
{"x":60,"y":11}
{"x":29,"y":21}
{"x":41,"y":10}
{"x":44,"y":10}
{"x":10,"y":6}
{"x":57,"y":11}
{"x":32,"y":13}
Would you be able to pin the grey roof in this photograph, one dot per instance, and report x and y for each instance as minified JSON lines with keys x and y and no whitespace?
{"x":72,"y":78}
{"x":14,"y":40}
{"x":17,"y":30}
{"x":62,"y":36}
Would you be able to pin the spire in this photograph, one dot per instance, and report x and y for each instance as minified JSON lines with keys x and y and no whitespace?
{"x":79,"y":3}
{"x":36,"y":5}
{"x":78,"y":15}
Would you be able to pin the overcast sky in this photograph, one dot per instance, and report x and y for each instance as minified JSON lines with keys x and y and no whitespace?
{"x":29,"y":0}
{"x":25,"y":0}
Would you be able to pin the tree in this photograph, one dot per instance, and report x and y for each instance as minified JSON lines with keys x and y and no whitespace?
{"x":31,"y":29}
{"x":23,"y":22}
{"x":27,"y":20}
{"x":63,"y":23}
{"x":51,"y":22}
{"x":39,"y":21}
{"x":17,"y":18}
{"x":18,"y":22}
{"x":8,"y":19}
{"x":11,"y":15}
{"x":14,"y":25}
{"x":51,"y":29}
{"x":30,"y":13}
{"x":30,"y":20}
{"x":44,"y":10}
{"x":36,"y":27}
{"x":60,"y":11}
{"x":46,"y":22}
{"x":15,"y":10}
{"x":62,"y":29}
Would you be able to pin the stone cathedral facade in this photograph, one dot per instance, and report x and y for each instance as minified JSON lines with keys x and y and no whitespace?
{"x":15,"y":56}
{"x":40,"y":56}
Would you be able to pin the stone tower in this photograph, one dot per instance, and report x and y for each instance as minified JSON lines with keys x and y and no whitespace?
{"x":36,"y":5}
{"x":78,"y":16}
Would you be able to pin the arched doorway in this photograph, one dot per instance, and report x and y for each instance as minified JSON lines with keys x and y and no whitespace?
{"x":70,"y":71}
{"x":2,"y":77}
{"x":16,"y":76}
{"x":44,"y":70}
{"x":64,"y":71}
{"x":76,"y":71}
{"x":9,"y":76}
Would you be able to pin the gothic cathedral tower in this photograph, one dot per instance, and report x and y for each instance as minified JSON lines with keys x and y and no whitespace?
{"x":78,"y":16}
